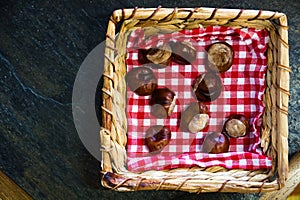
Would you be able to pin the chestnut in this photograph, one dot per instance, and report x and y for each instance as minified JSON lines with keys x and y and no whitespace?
{"x":141,"y":80}
{"x":157,"y":137}
{"x":162,"y":102}
{"x":207,"y":87}
{"x":236,"y":126}
{"x":220,"y":56}
{"x":184,"y":53}
{"x":195,"y":117}
{"x":159,"y":56}
{"x":215,"y":142}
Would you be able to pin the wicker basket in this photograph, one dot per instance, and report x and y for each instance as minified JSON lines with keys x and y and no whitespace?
{"x":213,"y":179}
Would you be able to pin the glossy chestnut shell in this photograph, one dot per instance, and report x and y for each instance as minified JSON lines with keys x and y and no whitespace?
{"x":207,"y":87}
{"x":141,"y":80}
{"x":195,"y":117}
{"x":236,"y":126}
{"x":160,"y":56}
{"x":215,"y":142}
{"x":184,"y":53}
{"x":220,"y":57}
{"x":157,"y":137}
{"x":162,"y":102}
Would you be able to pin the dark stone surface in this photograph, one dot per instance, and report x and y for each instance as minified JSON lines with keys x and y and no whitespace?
{"x":42,"y":44}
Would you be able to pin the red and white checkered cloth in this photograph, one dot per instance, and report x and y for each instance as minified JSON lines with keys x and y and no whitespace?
{"x":243,"y":87}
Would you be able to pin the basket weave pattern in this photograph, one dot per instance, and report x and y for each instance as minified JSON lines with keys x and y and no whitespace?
{"x":213,"y":179}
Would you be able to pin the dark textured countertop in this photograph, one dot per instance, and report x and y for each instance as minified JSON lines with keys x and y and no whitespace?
{"x":42,"y":45}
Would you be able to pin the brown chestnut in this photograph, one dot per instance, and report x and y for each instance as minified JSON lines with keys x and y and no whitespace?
{"x":162,"y":102}
{"x":207,"y":87}
{"x":236,"y":126}
{"x":195,"y":117}
{"x":157,"y":137}
{"x":141,"y":80}
{"x":215,"y":142}
{"x":184,"y":53}
{"x":220,"y":56}
{"x":159,"y":56}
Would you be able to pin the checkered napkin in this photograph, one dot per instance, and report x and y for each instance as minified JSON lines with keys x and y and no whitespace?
{"x":243,"y":87}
